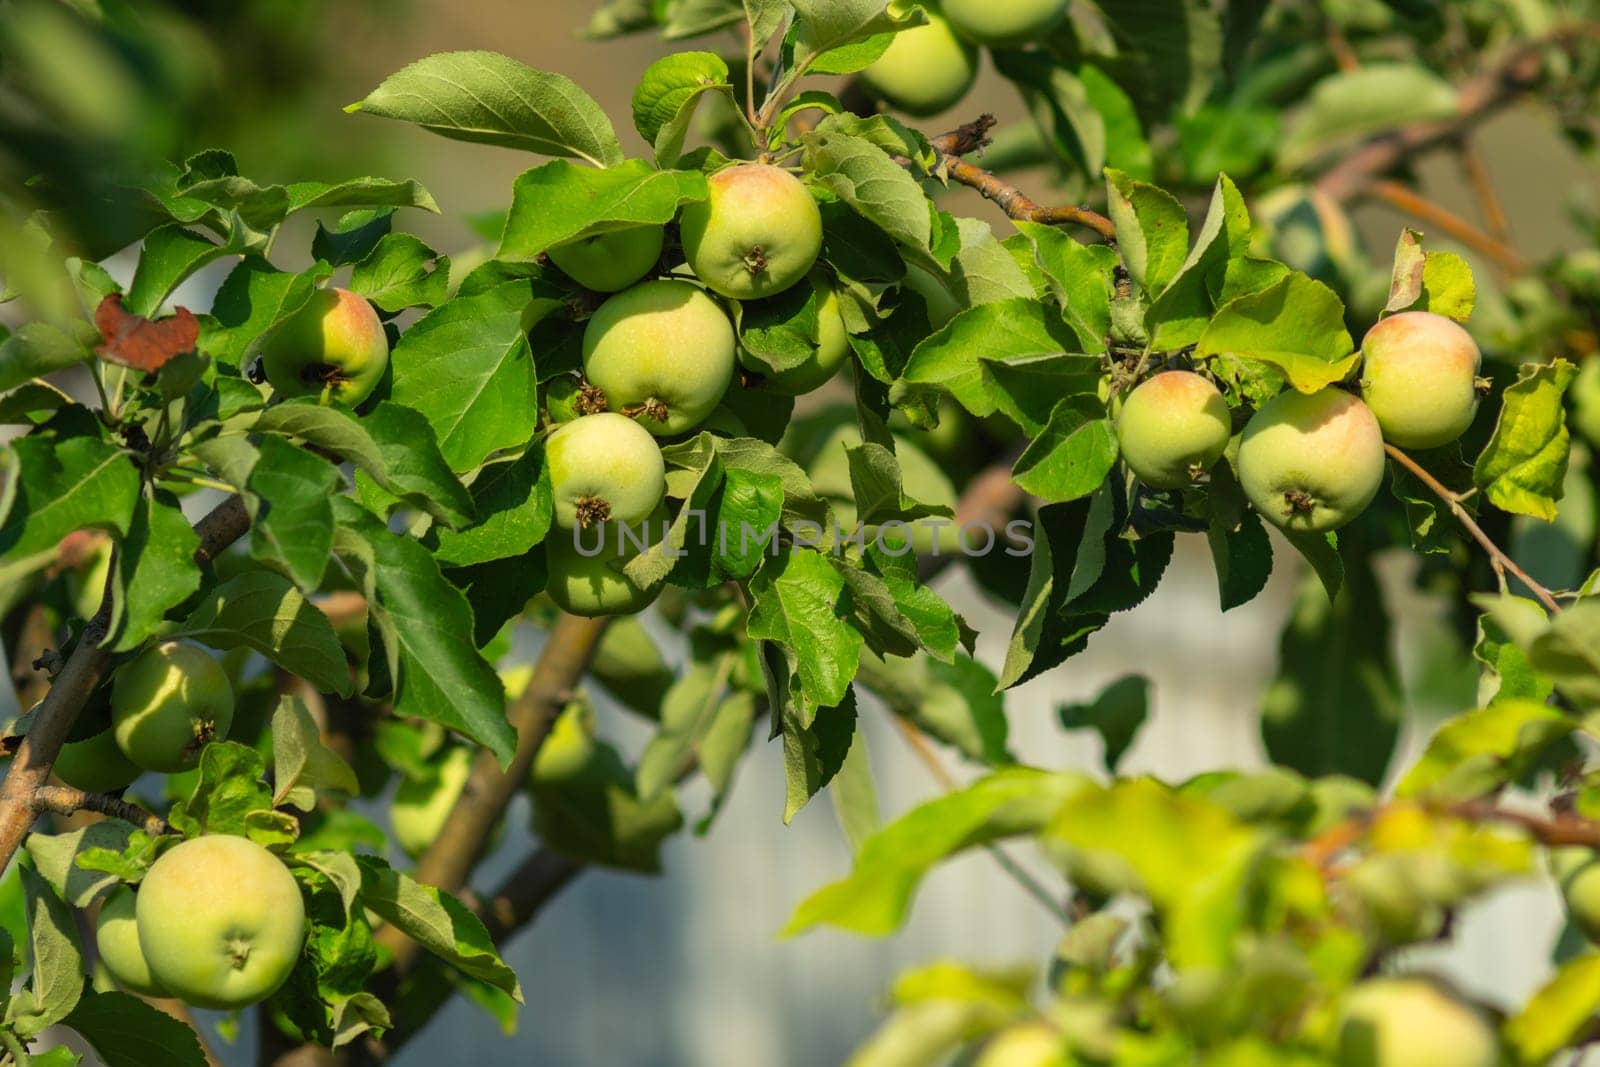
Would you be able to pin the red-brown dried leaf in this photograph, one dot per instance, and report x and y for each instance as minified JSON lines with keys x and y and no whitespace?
{"x":143,"y":344}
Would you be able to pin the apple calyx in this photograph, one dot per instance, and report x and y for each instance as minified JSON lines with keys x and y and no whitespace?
{"x":592,"y":400}
{"x":1300,"y":501}
{"x":592,"y":509}
{"x":653,"y":408}
{"x":755,"y":260}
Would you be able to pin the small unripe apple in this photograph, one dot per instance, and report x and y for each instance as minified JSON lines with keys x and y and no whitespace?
{"x":661,"y":352}
{"x":96,"y":764}
{"x":833,"y":348}
{"x":1419,"y":377}
{"x":942,"y":307}
{"x":610,"y":262}
{"x":927,"y":69}
{"x":116,"y":938}
{"x":1002,"y":23}
{"x":221,"y":922}
{"x":421,"y":807}
{"x":1173,"y":428}
{"x":1411,"y":1022}
{"x":1311,"y":463}
{"x":169,"y":703}
{"x":584,"y":569}
{"x":334,"y":349}
{"x":569,"y":749}
{"x":759,"y":233}
{"x":604,"y":466}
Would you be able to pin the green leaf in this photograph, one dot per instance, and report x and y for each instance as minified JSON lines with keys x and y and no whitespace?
{"x":875,"y":899}
{"x":560,"y":202}
{"x":392,"y":444}
{"x":1190,"y":856}
{"x":360,"y":193}
{"x":38,"y":349}
{"x":1080,"y":277}
{"x":956,"y":357}
{"x":489,"y":98}
{"x":437,"y":921}
{"x":263,"y":611}
{"x":1218,"y":269}
{"x":1152,"y":230}
{"x":1440,"y":282}
{"x":514,"y":506}
{"x":1073,"y":454}
{"x":667,"y":94}
{"x":402,"y":272}
{"x":955,"y":702}
{"x":1479,"y":752}
{"x":468,"y":368}
{"x":815,"y":750}
{"x":1296,"y":324}
{"x":796,"y":601}
{"x":57,"y":981}
{"x":855,"y":798}
{"x":824,"y":25}
{"x":127,"y":1032}
{"x":156,"y":570}
{"x":170,"y":255}
{"x":598,"y":816}
{"x":1116,"y":715}
{"x":254,"y":299}
{"x":1240,"y":547}
{"x":1559,"y":1014}
{"x":301,"y":764}
{"x":1335,"y":705}
{"x":288,"y":495}
{"x":231,"y":797}
{"x":55,"y":858}
{"x":1355,"y":104}
{"x":441,"y":678}
{"x":881,"y":191}
{"x":62,"y":486}
{"x":1522,"y":468}
{"x":879,"y":494}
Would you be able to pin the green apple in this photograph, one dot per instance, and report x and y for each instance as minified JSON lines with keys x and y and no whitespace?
{"x":759,"y":233}
{"x":1412,"y":1022}
{"x":661,"y":352}
{"x":1311,"y":463}
{"x":221,"y":922}
{"x":1579,"y":876}
{"x":1419,"y":376}
{"x":604,"y":466}
{"x":584,"y":568}
{"x":86,"y":582}
{"x":116,"y":938}
{"x":334,"y":349}
{"x":1173,"y":428}
{"x":610,"y":262}
{"x":1003,"y":23}
{"x":167,"y":704}
{"x":1585,"y":393}
{"x":942,"y":306}
{"x":96,"y":764}
{"x":832,"y":349}
{"x":630,"y":667}
{"x":569,"y":749}
{"x":927,"y":69}
{"x":421,"y":806}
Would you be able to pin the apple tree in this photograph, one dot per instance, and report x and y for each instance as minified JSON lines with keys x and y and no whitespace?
{"x":263,"y":566}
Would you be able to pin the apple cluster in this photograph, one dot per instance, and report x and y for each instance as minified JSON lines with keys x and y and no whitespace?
{"x":217,"y":922}
{"x":658,"y":357}
{"x":929,"y":68}
{"x":1312,"y":462}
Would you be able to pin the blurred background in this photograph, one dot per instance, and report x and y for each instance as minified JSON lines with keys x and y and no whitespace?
{"x":687,"y":970}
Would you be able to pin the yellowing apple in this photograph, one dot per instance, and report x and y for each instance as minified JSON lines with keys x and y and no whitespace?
{"x":758,"y":234}
{"x":1311,"y":463}
{"x":334,"y":349}
{"x":1419,"y":376}
{"x":604,"y":466}
{"x":1173,"y":428}
{"x":221,"y":922}
{"x":610,"y":262}
{"x":1411,"y":1022}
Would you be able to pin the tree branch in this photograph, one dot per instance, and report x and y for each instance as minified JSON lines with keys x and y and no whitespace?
{"x":1404,"y":198}
{"x":1497,"y":557}
{"x":523,"y":895}
{"x":1478,"y":99}
{"x":449,"y":860}
{"x":975,"y":135}
{"x":1477,"y":172}
{"x":65,"y":800}
{"x":54,"y":717}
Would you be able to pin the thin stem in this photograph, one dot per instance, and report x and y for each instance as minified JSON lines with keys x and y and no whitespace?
{"x":924,"y":751}
{"x":1489,"y":202}
{"x":100,"y":387}
{"x":1404,"y":198}
{"x":750,"y":79}
{"x":1497,"y":556}
{"x":16,"y":1051}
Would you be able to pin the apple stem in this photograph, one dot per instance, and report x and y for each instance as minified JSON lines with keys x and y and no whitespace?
{"x":1498,"y":558}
